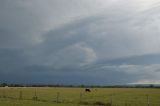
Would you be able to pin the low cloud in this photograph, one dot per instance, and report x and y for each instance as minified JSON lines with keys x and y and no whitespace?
{"x":146,"y":82}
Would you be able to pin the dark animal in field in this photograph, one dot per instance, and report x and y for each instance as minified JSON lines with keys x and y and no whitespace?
{"x":87,"y":90}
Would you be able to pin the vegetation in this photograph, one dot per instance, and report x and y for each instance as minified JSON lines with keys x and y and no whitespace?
{"x":61,"y":96}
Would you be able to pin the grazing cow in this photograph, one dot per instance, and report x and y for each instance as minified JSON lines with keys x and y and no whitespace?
{"x":87,"y":90}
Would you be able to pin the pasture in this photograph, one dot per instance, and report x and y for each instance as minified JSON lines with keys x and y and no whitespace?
{"x":59,"y":96}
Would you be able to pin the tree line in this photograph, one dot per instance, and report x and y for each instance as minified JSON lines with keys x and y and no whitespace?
{"x":81,"y":86}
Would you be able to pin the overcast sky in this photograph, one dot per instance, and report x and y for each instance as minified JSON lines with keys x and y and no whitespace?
{"x":96,"y":42}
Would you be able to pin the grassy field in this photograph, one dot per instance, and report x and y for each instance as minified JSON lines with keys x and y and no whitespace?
{"x":78,"y":97}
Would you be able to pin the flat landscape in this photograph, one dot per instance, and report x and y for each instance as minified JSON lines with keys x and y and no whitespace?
{"x":59,"y":96}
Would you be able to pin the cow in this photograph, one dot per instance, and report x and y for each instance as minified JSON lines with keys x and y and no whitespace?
{"x":87,"y":90}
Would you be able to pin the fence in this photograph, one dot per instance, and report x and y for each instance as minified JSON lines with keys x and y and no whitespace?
{"x":81,"y":97}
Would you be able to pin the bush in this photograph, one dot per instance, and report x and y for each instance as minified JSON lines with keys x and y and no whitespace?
{"x":102,"y":104}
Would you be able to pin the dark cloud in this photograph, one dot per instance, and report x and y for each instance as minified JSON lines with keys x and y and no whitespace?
{"x":135,"y":60}
{"x":79,"y":42}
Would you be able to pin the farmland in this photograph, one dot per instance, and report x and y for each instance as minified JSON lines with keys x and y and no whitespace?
{"x":59,"y":96}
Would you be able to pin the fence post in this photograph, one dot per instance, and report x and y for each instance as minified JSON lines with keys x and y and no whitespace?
{"x":20,"y":95}
{"x":57,"y":98}
{"x":4,"y":94}
{"x":81,"y":97}
{"x":35,"y":96}
{"x":148,"y":100}
{"x":126,"y":103}
{"x":111,"y":99}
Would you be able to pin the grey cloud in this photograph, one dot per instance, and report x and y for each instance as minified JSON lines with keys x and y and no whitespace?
{"x":145,"y":59}
{"x":111,"y":41}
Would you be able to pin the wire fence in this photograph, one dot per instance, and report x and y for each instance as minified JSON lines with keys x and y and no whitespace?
{"x":84,"y":98}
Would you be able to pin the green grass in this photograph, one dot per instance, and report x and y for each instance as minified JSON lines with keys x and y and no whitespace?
{"x":71,"y":96}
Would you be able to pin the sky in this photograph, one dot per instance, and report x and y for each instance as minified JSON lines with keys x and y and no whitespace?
{"x":94,"y":42}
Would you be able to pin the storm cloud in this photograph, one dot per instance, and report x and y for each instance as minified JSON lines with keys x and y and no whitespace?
{"x":80,"y":42}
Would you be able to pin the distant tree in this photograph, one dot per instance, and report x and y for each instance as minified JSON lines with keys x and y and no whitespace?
{"x":151,"y":86}
{"x":4,"y":84}
{"x":82,"y":86}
